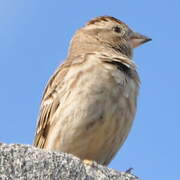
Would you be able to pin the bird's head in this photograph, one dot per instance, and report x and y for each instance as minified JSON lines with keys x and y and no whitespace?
{"x":108,"y":32}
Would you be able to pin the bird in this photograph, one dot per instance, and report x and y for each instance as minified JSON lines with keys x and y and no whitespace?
{"x":90,"y":102}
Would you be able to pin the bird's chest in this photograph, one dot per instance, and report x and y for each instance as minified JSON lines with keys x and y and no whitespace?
{"x":115,"y":84}
{"x":111,"y":94}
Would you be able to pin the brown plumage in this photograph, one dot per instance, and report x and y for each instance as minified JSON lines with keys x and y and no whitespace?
{"x":90,"y":102}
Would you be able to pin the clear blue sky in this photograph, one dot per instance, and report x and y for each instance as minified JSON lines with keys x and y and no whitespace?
{"x":34,"y":37}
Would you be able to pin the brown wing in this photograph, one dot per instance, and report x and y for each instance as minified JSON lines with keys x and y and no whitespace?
{"x":49,"y":105}
{"x":51,"y":100}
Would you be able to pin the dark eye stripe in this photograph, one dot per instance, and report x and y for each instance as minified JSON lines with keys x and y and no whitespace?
{"x":117,"y":29}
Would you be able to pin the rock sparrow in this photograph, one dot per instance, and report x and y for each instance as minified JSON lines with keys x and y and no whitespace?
{"x":90,"y":102}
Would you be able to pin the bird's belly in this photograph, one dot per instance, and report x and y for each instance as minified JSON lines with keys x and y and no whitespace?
{"x":96,"y":125}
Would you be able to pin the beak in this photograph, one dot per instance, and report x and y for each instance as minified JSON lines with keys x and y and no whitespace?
{"x":137,"y":39}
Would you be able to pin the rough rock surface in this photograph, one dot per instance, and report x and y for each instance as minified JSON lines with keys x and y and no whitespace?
{"x":25,"y":162}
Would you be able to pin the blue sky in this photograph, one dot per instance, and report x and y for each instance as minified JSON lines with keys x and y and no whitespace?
{"x":34,"y":37}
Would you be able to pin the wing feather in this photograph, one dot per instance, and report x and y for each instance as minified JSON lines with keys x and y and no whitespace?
{"x":51,"y":100}
{"x":49,"y":105}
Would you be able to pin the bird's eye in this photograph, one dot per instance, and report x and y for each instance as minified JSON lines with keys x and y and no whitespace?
{"x":117,"y":29}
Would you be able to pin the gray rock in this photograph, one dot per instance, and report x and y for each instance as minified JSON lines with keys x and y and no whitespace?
{"x":24,"y":162}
